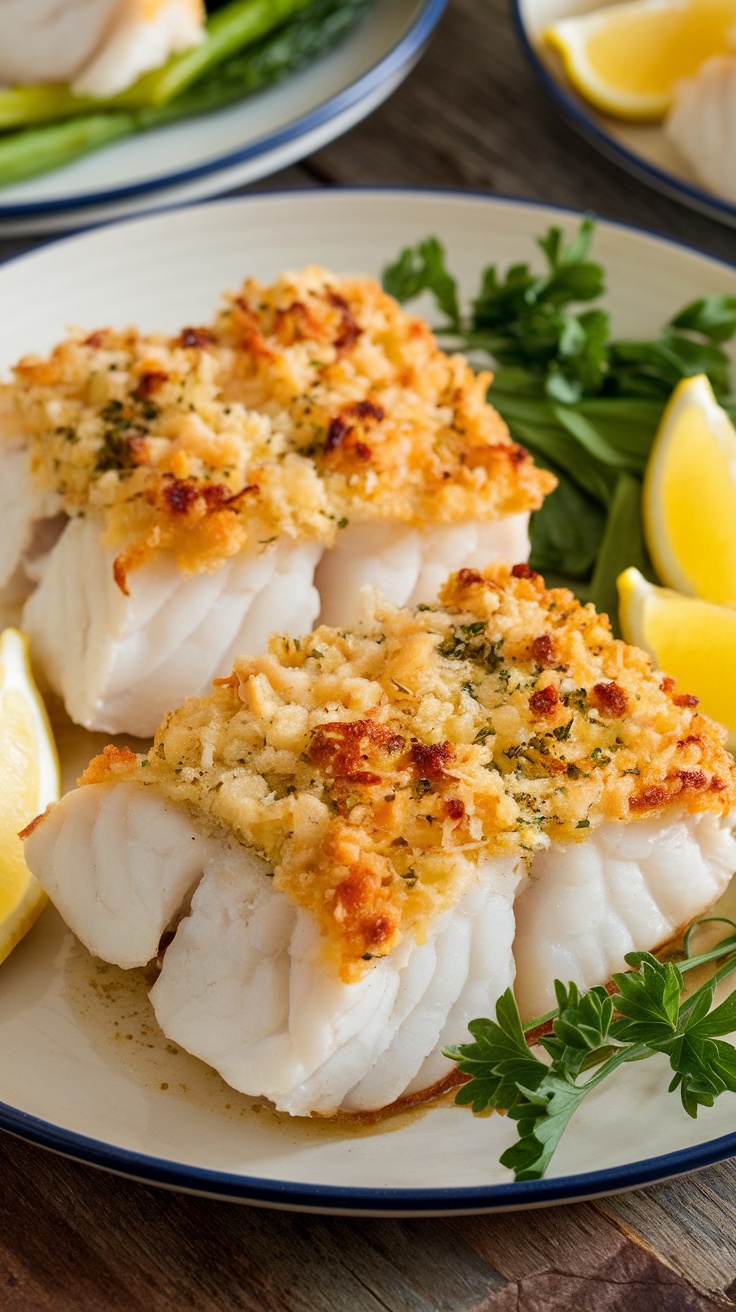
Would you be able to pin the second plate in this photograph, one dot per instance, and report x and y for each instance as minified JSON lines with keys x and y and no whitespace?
{"x":210,"y":154}
{"x":643,"y":149}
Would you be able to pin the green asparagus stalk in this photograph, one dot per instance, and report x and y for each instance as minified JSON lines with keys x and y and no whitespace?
{"x":239,"y":24}
{"x":36,"y":150}
{"x":230,"y":30}
{"x":47,"y":103}
{"x":309,"y":34}
{"x":313,"y":32}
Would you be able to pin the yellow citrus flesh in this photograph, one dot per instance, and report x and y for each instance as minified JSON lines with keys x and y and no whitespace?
{"x":626,"y":59}
{"x":689,"y":501}
{"x":29,"y":780}
{"x":692,"y":640}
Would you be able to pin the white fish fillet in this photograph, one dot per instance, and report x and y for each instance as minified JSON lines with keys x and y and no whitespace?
{"x":470,"y":962}
{"x":408,"y":564}
{"x":702,"y":124}
{"x":119,"y":863}
{"x":243,"y":985}
{"x":100,"y":46}
{"x":48,"y":41}
{"x":142,"y":36}
{"x":626,"y":888}
{"x":120,"y":663}
{"x":30,"y":526}
{"x":17,"y":513}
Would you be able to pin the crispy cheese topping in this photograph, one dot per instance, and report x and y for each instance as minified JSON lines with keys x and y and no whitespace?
{"x":305,"y":405}
{"x":374,"y":769}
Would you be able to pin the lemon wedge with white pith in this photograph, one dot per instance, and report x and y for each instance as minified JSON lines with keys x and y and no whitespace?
{"x":29,"y":780}
{"x":626,"y":58}
{"x":692,"y":640}
{"x":689,"y":500}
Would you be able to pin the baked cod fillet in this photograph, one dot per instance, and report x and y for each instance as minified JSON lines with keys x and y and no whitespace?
{"x":360,"y":838}
{"x":172,"y":500}
{"x":100,"y":46}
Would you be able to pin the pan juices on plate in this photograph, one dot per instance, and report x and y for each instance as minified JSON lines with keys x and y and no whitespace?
{"x":172,"y":500}
{"x":360,"y":838}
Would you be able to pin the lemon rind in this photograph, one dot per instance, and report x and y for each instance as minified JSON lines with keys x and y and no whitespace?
{"x":631,"y":109}
{"x":695,"y":392}
{"x":16,"y":675}
{"x":636,"y":598}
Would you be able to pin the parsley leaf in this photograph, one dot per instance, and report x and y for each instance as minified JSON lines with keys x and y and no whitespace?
{"x":422,"y":268}
{"x":586,"y":405}
{"x":597,"y":1032}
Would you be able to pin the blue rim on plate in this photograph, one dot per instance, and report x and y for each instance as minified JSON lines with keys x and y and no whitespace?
{"x":588,"y":126}
{"x":406,"y":52}
{"x":348,"y":1199}
{"x":387,"y":188}
{"x":296,"y":1196}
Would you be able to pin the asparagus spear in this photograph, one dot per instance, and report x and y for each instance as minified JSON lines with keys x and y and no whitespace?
{"x":36,"y":150}
{"x":313,"y":32}
{"x":21,"y":106}
{"x":241,"y":23}
{"x":229,"y":30}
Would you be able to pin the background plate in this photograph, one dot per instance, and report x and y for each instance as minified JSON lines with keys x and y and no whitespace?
{"x":204,"y":156}
{"x":643,"y":149}
{"x":83,"y":1068}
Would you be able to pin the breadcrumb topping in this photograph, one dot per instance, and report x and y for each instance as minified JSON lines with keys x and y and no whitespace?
{"x":374,"y":769}
{"x":305,"y":405}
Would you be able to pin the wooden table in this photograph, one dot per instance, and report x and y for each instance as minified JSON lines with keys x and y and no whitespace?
{"x":77,"y":1240}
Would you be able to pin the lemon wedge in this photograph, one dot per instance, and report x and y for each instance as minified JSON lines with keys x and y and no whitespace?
{"x":689,"y":499}
{"x":29,"y":780}
{"x":693,"y":640}
{"x":626,"y":59}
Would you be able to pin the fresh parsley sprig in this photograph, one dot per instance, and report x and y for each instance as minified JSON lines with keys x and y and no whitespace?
{"x":528,"y":322}
{"x":597,"y":1032}
{"x":585,"y":404}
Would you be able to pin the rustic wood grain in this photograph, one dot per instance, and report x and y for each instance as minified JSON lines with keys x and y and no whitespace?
{"x":77,"y":1240}
{"x":472,"y":115}
{"x":151,"y":1250}
{"x":689,"y":1222}
{"x":572,"y":1257}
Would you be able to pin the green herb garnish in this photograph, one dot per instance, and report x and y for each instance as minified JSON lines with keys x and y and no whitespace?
{"x":597,"y":1032}
{"x":585,"y":404}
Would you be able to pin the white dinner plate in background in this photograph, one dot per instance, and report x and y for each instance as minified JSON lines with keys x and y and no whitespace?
{"x":642,"y":149}
{"x":207,"y":155}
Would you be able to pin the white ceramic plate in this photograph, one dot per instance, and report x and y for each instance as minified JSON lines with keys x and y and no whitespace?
{"x":642,"y":149}
{"x":83,"y":1068}
{"x":206,"y":156}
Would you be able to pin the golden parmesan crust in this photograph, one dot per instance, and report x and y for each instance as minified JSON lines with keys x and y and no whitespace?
{"x":398,"y":428}
{"x":306,"y":404}
{"x":374,"y":769}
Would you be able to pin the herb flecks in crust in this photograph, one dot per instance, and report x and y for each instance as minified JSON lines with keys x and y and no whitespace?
{"x":306,"y":405}
{"x":374,"y":769}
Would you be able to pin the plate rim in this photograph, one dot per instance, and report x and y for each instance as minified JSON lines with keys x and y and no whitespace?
{"x":584,"y":123}
{"x":312,"y":194}
{"x":406,"y":51}
{"x":366,"y":1200}
{"x":356,"y":1199}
